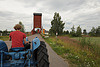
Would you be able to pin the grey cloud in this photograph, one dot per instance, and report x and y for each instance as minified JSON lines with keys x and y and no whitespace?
{"x":2,"y":0}
{"x":68,"y":22}
{"x":5,"y":14}
{"x":29,"y":3}
{"x":71,"y":11}
{"x":64,"y":5}
{"x":56,"y":5}
{"x":9,"y":19}
{"x":87,"y":17}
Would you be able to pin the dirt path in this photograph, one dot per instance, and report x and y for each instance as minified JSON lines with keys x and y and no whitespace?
{"x":54,"y":59}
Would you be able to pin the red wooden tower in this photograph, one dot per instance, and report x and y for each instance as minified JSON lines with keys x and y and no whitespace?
{"x":37,"y":22}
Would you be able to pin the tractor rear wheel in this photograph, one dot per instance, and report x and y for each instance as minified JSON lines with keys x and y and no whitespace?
{"x":42,"y":55}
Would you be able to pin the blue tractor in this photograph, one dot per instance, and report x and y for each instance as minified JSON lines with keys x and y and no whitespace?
{"x":19,"y":57}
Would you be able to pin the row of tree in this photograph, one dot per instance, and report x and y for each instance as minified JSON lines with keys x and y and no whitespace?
{"x":77,"y":33}
{"x":57,"y":26}
{"x":95,"y":31}
{"x":4,"y":32}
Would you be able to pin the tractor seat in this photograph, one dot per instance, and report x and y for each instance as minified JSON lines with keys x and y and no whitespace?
{"x":17,"y":49}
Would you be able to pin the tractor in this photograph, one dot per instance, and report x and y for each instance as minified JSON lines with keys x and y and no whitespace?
{"x":20,"y":57}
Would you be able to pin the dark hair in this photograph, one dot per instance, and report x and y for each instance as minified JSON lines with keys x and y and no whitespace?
{"x":17,"y":27}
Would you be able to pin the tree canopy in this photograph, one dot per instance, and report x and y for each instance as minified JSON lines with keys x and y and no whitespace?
{"x":22,"y":29}
{"x":56,"y":24}
{"x":76,"y":33}
{"x":84,"y":32}
{"x":72,"y":32}
{"x":98,"y":31}
{"x":95,"y":31}
{"x":79,"y":31}
{"x":92,"y":32}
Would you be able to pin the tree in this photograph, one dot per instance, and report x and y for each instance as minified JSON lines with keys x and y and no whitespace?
{"x":84,"y":32}
{"x":67,"y":32}
{"x":79,"y":31}
{"x":22,"y":29}
{"x":98,"y":31}
{"x":0,"y":31}
{"x":72,"y":32}
{"x":5,"y":32}
{"x":56,"y":24}
{"x":93,"y":31}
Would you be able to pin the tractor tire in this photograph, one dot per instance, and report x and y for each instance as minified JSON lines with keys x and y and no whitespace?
{"x":42,"y":55}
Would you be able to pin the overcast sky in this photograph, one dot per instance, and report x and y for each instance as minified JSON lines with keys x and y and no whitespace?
{"x":85,"y":13}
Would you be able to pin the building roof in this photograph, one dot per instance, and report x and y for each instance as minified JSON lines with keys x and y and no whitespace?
{"x":37,"y":14}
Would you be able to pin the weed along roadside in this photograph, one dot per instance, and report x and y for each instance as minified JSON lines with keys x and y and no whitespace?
{"x":4,"y":38}
{"x":74,"y":52}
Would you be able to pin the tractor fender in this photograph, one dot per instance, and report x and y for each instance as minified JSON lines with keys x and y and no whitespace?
{"x":35,"y":43}
{"x":3,"y":47}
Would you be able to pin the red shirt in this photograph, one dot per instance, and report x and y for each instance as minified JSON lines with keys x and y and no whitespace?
{"x":17,"y":39}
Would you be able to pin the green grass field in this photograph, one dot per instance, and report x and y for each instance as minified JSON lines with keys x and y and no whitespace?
{"x":94,"y":40}
{"x":4,"y":38}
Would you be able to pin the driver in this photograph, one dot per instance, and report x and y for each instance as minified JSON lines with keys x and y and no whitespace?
{"x":17,"y":37}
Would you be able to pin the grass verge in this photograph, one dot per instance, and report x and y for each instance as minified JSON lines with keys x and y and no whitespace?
{"x":76,"y":55}
{"x":4,"y":38}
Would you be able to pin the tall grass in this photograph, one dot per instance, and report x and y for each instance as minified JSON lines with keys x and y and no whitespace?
{"x":86,"y":55}
{"x":89,"y":45}
{"x":4,"y":38}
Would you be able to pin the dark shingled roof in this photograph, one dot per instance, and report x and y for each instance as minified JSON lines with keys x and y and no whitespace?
{"x":37,"y":14}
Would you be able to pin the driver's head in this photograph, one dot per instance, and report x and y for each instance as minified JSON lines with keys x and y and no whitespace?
{"x":17,"y":27}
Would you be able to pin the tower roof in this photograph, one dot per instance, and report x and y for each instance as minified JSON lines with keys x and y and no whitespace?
{"x":37,"y":14}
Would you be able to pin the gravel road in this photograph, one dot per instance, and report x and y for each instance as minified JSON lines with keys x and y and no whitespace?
{"x":54,"y":59}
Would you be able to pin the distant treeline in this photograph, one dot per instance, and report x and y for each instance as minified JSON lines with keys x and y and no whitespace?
{"x":4,"y":32}
{"x":94,"y":32}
